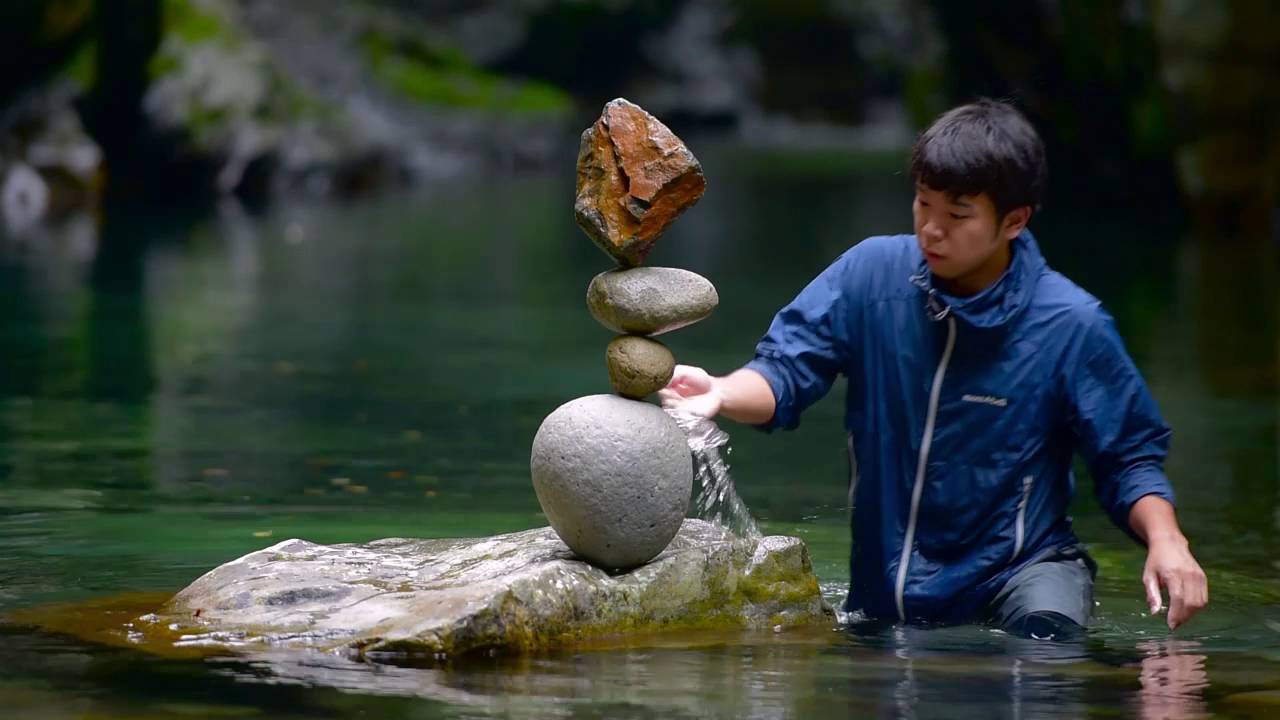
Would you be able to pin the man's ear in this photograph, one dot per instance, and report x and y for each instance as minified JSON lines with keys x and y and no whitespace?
{"x":1014,"y":221}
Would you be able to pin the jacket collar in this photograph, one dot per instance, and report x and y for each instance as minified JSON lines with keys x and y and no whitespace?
{"x":995,"y":306}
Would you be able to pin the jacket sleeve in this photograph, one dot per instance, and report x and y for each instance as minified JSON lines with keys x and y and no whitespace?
{"x":1117,"y":426}
{"x":805,"y":347}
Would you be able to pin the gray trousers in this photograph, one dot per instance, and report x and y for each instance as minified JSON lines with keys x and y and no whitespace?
{"x":1050,"y":599}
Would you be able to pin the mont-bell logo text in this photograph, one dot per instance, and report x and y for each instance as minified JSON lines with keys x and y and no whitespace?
{"x":986,"y":400}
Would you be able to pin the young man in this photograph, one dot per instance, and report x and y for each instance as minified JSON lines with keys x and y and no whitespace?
{"x":975,"y":372}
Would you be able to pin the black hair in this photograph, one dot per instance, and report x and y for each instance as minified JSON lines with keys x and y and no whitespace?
{"x":985,"y":146}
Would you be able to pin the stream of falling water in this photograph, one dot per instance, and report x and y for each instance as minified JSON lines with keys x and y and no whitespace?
{"x":717,"y":499}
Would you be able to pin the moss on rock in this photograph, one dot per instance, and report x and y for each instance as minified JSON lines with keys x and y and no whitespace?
{"x":522,"y":591}
{"x":439,"y":75}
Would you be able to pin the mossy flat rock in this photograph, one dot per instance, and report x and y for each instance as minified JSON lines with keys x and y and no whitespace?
{"x":519,"y":591}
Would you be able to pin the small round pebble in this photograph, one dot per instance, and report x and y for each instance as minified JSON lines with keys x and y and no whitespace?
{"x":638,"y":366}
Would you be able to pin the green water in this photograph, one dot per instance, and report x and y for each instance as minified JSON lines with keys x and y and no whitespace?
{"x":179,"y":389}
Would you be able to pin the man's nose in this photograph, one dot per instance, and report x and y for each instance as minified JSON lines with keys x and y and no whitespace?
{"x":931,"y":231}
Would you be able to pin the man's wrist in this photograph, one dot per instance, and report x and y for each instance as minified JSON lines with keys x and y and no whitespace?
{"x":745,"y":396}
{"x":1168,"y":539}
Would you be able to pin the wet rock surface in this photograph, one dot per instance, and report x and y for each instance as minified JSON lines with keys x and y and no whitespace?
{"x":613,"y":477}
{"x":518,"y":591}
{"x":650,"y":300}
{"x":635,"y":177}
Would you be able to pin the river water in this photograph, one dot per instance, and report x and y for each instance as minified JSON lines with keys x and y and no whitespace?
{"x":715,"y":496}
{"x":180,"y":388}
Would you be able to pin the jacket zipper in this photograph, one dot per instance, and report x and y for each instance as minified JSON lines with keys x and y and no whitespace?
{"x":918,"y":488}
{"x":1020,"y":525}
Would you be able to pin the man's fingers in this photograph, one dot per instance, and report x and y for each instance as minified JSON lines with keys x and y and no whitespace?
{"x":701,"y":406}
{"x":1172,"y":567}
{"x":1188,"y":595}
{"x":1196,"y":589}
{"x":1153,"y":592}
{"x":686,"y":374}
{"x":682,"y":387}
{"x":1177,"y":601}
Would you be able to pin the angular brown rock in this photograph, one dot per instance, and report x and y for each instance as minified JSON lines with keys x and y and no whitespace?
{"x":634,"y":178}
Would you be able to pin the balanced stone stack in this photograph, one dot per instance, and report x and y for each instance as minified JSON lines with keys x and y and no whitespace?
{"x":613,"y":473}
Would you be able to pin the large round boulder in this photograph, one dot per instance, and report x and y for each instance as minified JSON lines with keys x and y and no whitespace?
{"x":650,"y":300}
{"x":613,"y":477}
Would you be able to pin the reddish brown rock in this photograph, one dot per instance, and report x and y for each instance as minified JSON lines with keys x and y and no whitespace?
{"x":634,"y":178}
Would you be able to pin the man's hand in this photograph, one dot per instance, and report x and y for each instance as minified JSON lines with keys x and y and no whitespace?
{"x":1170,"y":565}
{"x":1169,"y":562}
{"x":743,"y":395}
{"x":692,"y":390}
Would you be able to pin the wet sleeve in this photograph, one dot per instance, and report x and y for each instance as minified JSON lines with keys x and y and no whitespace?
{"x":1117,"y":425}
{"x":805,"y":347}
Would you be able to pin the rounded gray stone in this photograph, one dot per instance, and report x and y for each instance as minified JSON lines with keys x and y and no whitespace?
{"x":638,"y":365}
{"x":613,"y":477}
{"x":650,"y":300}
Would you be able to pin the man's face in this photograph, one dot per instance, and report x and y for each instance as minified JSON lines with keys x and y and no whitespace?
{"x":964,"y":242}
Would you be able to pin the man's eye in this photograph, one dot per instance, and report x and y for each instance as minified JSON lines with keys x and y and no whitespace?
{"x":954,"y":216}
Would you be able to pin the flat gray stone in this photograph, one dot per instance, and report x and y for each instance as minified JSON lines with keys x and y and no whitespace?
{"x":519,"y":591}
{"x":638,"y":366}
{"x":650,"y":300}
{"x":614,"y":478}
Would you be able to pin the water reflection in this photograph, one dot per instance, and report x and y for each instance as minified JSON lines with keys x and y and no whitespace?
{"x":1173,"y":679}
{"x":722,"y":679}
{"x":119,"y":336}
{"x":925,"y":673}
{"x":979,"y":672}
{"x":42,"y":275}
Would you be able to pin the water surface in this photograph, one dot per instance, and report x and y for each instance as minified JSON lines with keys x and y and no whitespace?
{"x":177,"y":389}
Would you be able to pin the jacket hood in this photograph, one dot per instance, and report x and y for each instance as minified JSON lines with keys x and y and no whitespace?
{"x":997,"y":305}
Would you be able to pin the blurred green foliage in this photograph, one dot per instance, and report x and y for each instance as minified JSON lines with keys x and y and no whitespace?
{"x":438,"y":75}
{"x":1117,"y":89}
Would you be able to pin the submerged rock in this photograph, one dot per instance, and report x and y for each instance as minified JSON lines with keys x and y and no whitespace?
{"x":614,"y":478}
{"x":519,"y":591}
{"x":638,"y":366}
{"x":635,"y":177}
{"x":650,"y":300}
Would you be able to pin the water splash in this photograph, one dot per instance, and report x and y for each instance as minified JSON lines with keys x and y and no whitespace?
{"x":717,"y":500}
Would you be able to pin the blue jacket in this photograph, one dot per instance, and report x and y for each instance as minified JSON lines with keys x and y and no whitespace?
{"x":963,"y":415}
